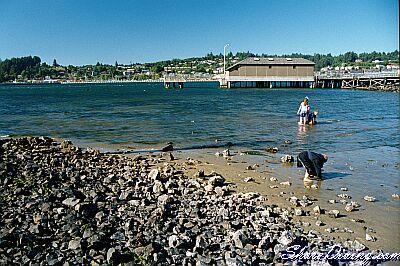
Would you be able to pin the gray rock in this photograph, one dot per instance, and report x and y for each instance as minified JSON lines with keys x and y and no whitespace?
{"x":317,"y":210}
{"x":354,"y":245}
{"x":220,"y":191}
{"x":248,"y":179}
{"x":71,"y":202}
{"x":216,"y":181}
{"x":333,"y":213}
{"x":239,"y":239}
{"x":233,"y":259}
{"x":286,"y":238}
{"x":298,"y":212}
{"x":319,"y":223}
{"x":369,"y":198}
{"x":287,"y":159}
{"x":74,"y":244}
{"x":119,"y":236}
{"x":272,"y":149}
{"x":154,"y":174}
{"x":158,"y":187}
{"x":368,"y":237}
{"x":112,"y":255}
{"x":173,"y":241}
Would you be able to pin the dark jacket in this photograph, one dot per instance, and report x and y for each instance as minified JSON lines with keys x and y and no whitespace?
{"x":312,"y":161}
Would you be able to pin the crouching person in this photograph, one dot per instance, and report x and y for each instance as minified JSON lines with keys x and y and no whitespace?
{"x":313,"y":163}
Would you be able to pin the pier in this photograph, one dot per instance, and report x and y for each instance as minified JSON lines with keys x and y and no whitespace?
{"x":181,"y":81}
{"x":387,"y":81}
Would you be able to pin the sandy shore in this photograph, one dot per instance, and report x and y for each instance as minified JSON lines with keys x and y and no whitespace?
{"x":63,"y":204}
{"x":379,"y":219}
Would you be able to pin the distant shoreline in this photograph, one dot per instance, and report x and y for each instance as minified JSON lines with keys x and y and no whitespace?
{"x":396,"y":90}
{"x":83,"y":82}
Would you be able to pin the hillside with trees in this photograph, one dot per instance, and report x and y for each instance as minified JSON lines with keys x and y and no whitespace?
{"x":32,"y":67}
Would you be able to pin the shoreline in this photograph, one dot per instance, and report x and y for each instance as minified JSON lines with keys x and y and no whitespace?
{"x":395,"y":89}
{"x":181,"y":181}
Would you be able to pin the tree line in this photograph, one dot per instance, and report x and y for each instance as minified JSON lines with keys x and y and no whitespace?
{"x":31,"y":67}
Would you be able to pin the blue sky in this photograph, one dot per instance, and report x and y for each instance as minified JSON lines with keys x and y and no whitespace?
{"x":86,"y":31}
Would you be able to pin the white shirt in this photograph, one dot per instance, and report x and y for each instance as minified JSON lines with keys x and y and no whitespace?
{"x":303,"y":108}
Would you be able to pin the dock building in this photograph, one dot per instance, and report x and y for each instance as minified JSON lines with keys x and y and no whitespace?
{"x":271,"y":72}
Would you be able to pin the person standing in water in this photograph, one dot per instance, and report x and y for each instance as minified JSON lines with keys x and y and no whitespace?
{"x":303,"y":111}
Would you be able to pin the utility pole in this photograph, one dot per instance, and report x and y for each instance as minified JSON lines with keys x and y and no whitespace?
{"x":226,"y":45}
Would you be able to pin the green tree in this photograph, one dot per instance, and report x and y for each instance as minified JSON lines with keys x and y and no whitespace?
{"x":158,"y":68}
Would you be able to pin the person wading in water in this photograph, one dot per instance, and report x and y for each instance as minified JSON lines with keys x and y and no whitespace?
{"x":303,"y":111}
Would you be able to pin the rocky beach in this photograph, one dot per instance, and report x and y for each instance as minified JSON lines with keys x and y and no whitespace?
{"x":66,"y":205}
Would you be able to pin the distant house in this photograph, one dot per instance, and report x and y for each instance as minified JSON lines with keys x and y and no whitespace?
{"x":271,"y":73}
{"x":128,"y":72}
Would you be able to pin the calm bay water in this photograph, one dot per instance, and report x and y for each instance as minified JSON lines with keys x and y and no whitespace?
{"x":144,"y":116}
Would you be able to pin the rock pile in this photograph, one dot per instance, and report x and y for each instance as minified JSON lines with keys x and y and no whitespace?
{"x":61,"y":204}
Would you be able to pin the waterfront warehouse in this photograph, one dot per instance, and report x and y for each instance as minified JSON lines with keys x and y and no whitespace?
{"x":255,"y":72}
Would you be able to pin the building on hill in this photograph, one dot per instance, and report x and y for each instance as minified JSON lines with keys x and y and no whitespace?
{"x":254,"y":72}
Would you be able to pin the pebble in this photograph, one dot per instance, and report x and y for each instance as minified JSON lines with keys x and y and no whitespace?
{"x":298,"y":212}
{"x":333,"y":213}
{"x":285,"y":183}
{"x":319,"y":223}
{"x":287,"y":159}
{"x":354,"y":245}
{"x":248,"y":179}
{"x":349,"y":207}
{"x":368,"y":237}
{"x":273,"y":179}
{"x":74,"y":244}
{"x":154,"y":174}
{"x":272,"y":149}
{"x":369,"y":198}
{"x":317,"y":210}
{"x":294,"y":201}
{"x":70,"y":202}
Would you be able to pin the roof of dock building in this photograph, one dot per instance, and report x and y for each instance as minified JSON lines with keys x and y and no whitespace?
{"x":273,"y":61}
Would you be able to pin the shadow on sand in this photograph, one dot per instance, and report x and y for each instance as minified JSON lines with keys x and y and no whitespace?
{"x":332,"y":175}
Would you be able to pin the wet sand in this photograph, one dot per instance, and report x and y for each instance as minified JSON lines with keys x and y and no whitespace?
{"x":361,"y":176}
{"x":366,"y":172}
